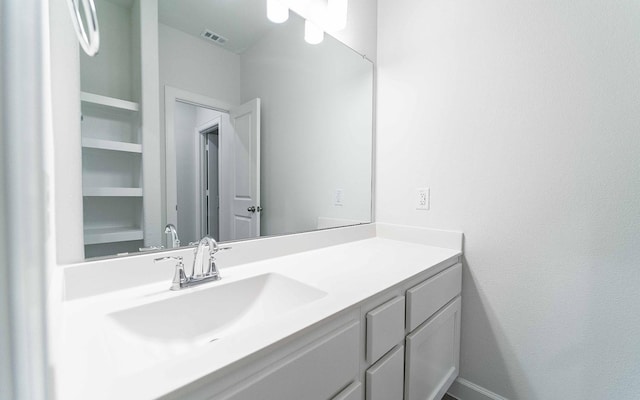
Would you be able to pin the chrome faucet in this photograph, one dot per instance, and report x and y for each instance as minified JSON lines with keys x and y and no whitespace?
{"x":175,"y":242}
{"x":204,"y":267}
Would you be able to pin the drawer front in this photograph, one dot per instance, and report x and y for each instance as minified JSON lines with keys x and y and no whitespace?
{"x":433,"y":354}
{"x":315,"y":372}
{"x":385,"y":379}
{"x":385,"y":328}
{"x":352,"y":392}
{"x":424,"y":299}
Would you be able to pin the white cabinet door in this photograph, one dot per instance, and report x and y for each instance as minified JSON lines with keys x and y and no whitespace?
{"x":351,"y":392}
{"x":425,"y":299}
{"x":385,"y":328}
{"x":433,"y":354}
{"x":316,"y":372}
{"x":385,"y":378}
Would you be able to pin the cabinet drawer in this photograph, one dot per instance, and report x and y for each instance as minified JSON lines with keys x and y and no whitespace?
{"x":424,"y":299}
{"x":385,"y":328}
{"x":385,"y":379}
{"x":352,"y":392}
{"x":315,"y":372}
{"x":433,"y":353}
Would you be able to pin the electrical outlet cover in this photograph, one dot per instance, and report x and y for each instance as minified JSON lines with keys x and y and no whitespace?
{"x":422,"y":198}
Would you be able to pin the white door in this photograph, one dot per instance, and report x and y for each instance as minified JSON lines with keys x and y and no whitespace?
{"x":245,"y":171}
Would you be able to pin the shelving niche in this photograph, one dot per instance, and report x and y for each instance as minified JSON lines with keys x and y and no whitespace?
{"x":111,"y":175}
{"x":112,"y":145}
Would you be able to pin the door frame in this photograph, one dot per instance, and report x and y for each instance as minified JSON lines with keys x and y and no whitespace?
{"x":200,"y":143}
{"x":171,"y":95}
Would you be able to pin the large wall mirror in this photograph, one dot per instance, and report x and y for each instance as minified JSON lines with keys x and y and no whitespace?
{"x":260,"y":133}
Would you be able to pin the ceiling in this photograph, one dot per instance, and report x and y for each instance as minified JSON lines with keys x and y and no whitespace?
{"x":242,"y":22}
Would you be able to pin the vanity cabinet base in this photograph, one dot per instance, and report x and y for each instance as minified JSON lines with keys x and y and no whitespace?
{"x":365,"y":353}
{"x":433,"y":354}
{"x":316,"y":372}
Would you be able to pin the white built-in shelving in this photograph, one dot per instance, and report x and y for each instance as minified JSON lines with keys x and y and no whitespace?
{"x":112,"y":162}
{"x":110,"y":235}
{"x":111,"y":102}
{"x":111,"y":192}
{"x":114,"y":97}
{"x":113,"y":145}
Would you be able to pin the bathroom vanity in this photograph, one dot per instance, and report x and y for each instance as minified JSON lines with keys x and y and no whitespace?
{"x":365,"y":312}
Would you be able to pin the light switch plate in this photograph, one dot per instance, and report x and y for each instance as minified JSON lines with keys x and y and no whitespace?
{"x":338,"y":197}
{"x":423,"y":199}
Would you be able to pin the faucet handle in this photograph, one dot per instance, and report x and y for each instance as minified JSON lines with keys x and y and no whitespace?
{"x":179,"y":277}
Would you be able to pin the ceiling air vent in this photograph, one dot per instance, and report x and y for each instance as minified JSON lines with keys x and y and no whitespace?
{"x":213,"y":37}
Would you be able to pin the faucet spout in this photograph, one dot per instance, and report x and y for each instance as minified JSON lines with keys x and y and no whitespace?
{"x":170,"y":229}
{"x":204,"y":267}
{"x":206,"y":263}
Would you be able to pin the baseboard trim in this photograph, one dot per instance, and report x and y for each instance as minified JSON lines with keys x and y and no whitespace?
{"x":462,"y":389}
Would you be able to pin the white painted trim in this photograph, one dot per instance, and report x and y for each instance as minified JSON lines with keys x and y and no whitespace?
{"x":171,"y":95}
{"x":463,"y":389}
{"x":107,"y":101}
{"x":414,"y":234}
{"x":199,"y":144}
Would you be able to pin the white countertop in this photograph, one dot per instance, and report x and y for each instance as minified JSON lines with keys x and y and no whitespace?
{"x":90,"y":366}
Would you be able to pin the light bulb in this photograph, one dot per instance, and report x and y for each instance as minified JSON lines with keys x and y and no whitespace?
{"x":337,"y":10}
{"x":312,"y":33}
{"x":277,"y":12}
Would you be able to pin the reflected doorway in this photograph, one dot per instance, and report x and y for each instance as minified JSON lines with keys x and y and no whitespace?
{"x":212,"y":167}
{"x":197,"y":144}
{"x":209,"y":183}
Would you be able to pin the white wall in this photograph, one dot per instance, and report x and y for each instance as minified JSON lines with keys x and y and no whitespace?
{"x":65,"y":112}
{"x":306,"y":153}
{"x":109,"y":72}
{"x":186,"y":164}
{"x":145,"y":27}
{"x":28,"y":254}
{"x":361,"y":30}
{"x":524,"y":119}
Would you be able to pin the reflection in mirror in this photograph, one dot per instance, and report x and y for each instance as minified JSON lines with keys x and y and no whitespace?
{"x":260,"y":133}
{"x":216,"y":190}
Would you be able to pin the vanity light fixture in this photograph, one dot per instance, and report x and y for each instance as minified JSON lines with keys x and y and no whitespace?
{"x":320,"y":16}
{"x":313,"y":34}
{"x":277,"y":11}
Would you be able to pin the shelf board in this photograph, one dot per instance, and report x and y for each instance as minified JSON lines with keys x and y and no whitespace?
{"x":106,"y":101}
{"x":92,"y":143}
{"x":109,"y":235}
{"x":111,"y":192}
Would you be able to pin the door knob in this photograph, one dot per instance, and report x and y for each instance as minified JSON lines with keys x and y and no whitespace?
{"x":251,"y":209}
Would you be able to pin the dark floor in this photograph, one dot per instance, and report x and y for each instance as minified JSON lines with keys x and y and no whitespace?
{"x":447,"y":397}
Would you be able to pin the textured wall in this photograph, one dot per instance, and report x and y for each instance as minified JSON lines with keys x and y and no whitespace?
{"x":524,"y":119}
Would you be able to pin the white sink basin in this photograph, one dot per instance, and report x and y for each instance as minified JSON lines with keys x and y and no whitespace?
{"x":202,"y":316}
